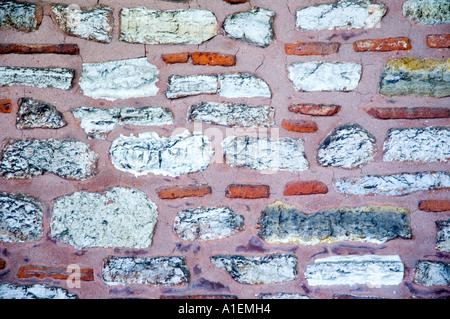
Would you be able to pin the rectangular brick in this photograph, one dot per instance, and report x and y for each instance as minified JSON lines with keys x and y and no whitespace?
{"x":11,"y":48}
{"x":5,"y":106}
{"x":382,"y":45}
{"x":183,"y":191}
{"x":312,"y":48}
{"x":407,"y":113}
{"x":171,"y":58}
{"x":299,"y":126}
{"x":435,"y":205}
{"x":438,"y":40}
{"x":207,"y":58}
{"x":247,"y":191}
{"x":305,"y":188}
{"x":315,"y":109}
{"x":60,"y":273}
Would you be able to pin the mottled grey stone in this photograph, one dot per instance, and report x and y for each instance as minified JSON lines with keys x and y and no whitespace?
{"x":164,"y":271}
{"x":427,"y":11}
{"x":281,"y":223}
{"x":432,"y":273}
{"x":258,"y":270}
{"x":182,"y":86}
{"x":20,"y":218}
{"x":38,"y":114}
{"x":443,"y":235}
{"x":35,"y":291}
{"x":28,"y":158}
{"x":23,"y":16}
{"x":58,"y":78}
{"x":119,"y":217}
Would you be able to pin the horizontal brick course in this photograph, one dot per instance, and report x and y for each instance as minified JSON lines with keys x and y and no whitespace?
{"x":247,"y":191}
{"x":183,"y":191}
{"x":305,"y":188}
{"x":42,"y":272}
{"x":382,"y":45}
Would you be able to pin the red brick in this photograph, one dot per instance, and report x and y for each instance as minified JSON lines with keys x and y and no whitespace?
{"x":312,"y":48}
{"x":42,"y":272}
{"x":247,"y":191}
{"x":184,"y":191}
{"x":207,"y":58}
{"x":299,"y":126}
{"x":315,"y":109}
{"x":5,"y":106}
{"x":392,"y":113}
{"x":382,"y":45}
{"x":2,"y":264}
{"x":305,"y":188}
{"x":199,"y":297}
{"x":435,"y":205}
{"x":176,"y":57}
{"x":438,"y":40}
{"x":236,"y":1}
{"x":69,"y":49}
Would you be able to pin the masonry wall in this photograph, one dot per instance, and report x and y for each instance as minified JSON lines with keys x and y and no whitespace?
{"x":235,"y":149}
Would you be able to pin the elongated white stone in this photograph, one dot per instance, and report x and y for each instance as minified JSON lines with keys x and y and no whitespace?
{"x":35,"y":291}
{"x":58,"y":78}
{"x":443,"y":235}
{"x":240,"y":85}
{"x":181,"y":86}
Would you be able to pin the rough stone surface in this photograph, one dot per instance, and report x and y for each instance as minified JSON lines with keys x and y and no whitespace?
{"x":432,"y":273}
{"x":182,"y":86}
{"x":20,"y":218}
{"x":372,"y":270}
{"x":94,"y":23}
{"x":280,"y":223}
{"x":36,"y":291}
{"x":122,"y":79}
{"x":23,"y":16}
{"x":340,"y":15}
{"x":232,"y":114}
{"x":171,"y":156}
{"x":207,"y":223}
{"x":283,"y":154}
{"x":120,"y":217}
{"x":421,"y":77}
{"x":347,"y":146}
{"x":58,"y":78}
{"x":164,"y":271}
{"x":243,"y":85}
{"x":325,"y":76}
{"x":258,"y":270}
{"x":443,"y":235}
{"x":254,"y":26}
{"x":429,"y":144}
{"x":281,"y":295}
{"x":142,"y":25}
{"x":38,"y":114}
{"x":28,"y":158}
{"x":393,"y":185}
{"x":427,"y":11}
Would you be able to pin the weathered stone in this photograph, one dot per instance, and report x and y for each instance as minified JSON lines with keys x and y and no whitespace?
{"x":122,"y":79}
{"x":258,"y":270}
{"x":119,"y":217}
{"x":232,"y":114}
{"x":207,"y":223}
{"x":171,"y":156}
{"x":94,"y":23}
{"x":443,"y":235}
{"x":20,"y":218}
{"x":38,"y":114}
{"x":142,"y":25}
{"x":40,"y":77}
{"x":254,"y":26}
{"x":28,"y":158}
{"x":283,"y":154}
{"x":325,"y":76}
{"x":427,"y":11}
{"x":181,"y":86}
{"x":432,"y":273}
{"x":393,"y":185}
{"x":421,"y":77}
{"x":280,"y":223}
{"x":164,"y":271}
{"x":36,"y":291}
{"x":281,"y":295}
{"x":429,"y":144}
{"x":347,"y":146}
{"x":97,"y":122}
{"x":243,"y":85}
{"x":23,"y":16}
{"x":15,"y":48}
{"x":372,"y":270}
{"x":341,"y":15}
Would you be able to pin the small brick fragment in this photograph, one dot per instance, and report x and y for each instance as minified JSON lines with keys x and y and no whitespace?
{"x":407,"y":113}
{"x":61,"y":273}
{"x":435,"y":205}
{"x":315,"y":109}
{"x":5,"y":106}
{"x":247,"y":191}
{"x":171,"y":58}
{"x":207,"y":58}
{"x":2,"y":264}
{"x":305,"y":188}
{"x":382,"y":45}
{"x":12,"y":48}
{"x":312,"y":48}
{"x":438,"y":40}
{"x":184,"y":191}
{"x":299,"y":126}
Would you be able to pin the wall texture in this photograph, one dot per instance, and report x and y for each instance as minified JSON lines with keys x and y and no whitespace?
{"x":224,"y":149}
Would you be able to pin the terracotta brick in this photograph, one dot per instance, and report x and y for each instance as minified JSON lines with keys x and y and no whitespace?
{"x":299,"y":126}
{"x":382,"y":45}
{"x":315,"y":109}
{"x":42,"y":272}
{"x":438,"y":40}
{"x":184,"y":191}
{"x":2,"y":264}
{"x":236,"y":1}
{"x":175,"y":57}
{"x":247,"y":191}
{"x":392,"y":113}
{"x":305,"y":188}
{"x":207,"y":58}
{"x":69,"y":49}
{"x":312,"y":48}
{"x":5,"y":106}
{"x":435,"y":205}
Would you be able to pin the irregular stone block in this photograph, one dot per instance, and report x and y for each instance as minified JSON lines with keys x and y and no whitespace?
{"x":122,"y":79}
{"x":182,"y":86}
{"x":232,"y":114}
{"x":36,"y":291}
{"x":393,"y":185}
{"x":443,"y":235}
{"x":429,"y":144}
{"x":280,"y":223}
{"x":340,"y":15}
{"x":14,"y":48}
{"x":207,"y":223}
{"x":347,"y":146}
{"x":254,"y":26}
{"x":427,"y":11}
{"x":39,"y":77}
{"x":165,"y":271}
{"x":372,"y":270}
{"x":94,"y":23}
{"x":170,"y":156}
{"x":432,"y":273}
{"x":119,"y":217}
{"x":28,"y":158}
{"x":258,"y":270}
{"x":283,"y":154}
{"x":38,"y":114}
{"x":325,"y":76}
{"x":243,"y":85}
{"x":20,"y":218}
{"x":142,"y":25}
{"x":421,"y":77}
{"x":23,"y":16}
